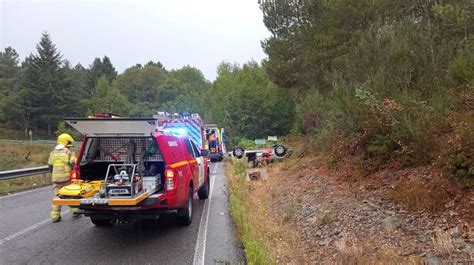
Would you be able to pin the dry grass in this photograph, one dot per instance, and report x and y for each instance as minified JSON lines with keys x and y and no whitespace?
{"x":15,"y":155}
{"x":354,"y":250}
{"x":417,"y":195}
{"x":443,"y":243}
{"x":328,"y":214}
{"x":13,"y":185}
{"x":349,"y":252}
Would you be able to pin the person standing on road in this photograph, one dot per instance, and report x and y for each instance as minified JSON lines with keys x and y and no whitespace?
{"x":61,"y":161}
{"x":212,"y":141}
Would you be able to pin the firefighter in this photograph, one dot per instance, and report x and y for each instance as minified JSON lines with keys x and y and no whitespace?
{"x":61,"y":160}
{"x":212,"y":141}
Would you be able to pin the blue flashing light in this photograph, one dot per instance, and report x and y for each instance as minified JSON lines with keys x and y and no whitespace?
{"x":178,"y":131}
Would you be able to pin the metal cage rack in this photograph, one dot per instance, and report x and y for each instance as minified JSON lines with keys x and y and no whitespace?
{"x":117,"y":149}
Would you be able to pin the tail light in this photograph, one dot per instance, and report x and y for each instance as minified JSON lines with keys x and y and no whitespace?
{"x":75,"y":174}
{"x":170,"y":179}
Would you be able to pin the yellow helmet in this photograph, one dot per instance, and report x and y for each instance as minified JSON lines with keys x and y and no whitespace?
{"x":65,"y":139}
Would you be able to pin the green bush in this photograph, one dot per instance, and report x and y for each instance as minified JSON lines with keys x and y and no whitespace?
{"x":460,"y":162}
{"x":381,"y":149}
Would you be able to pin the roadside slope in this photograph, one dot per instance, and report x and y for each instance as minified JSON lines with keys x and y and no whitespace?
{"x":332,"y":220}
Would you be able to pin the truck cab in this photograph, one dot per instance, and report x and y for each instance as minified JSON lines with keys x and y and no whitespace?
{"x":142,"y":172}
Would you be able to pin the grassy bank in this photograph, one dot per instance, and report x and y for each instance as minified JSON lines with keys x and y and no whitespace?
{"x":266,"y":240}
{"x":14,"y":185}
{"x":256,"y":248}
{"x":14,"y":155}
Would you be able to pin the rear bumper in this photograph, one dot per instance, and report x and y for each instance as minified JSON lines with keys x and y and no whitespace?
{"x":125,"y":214}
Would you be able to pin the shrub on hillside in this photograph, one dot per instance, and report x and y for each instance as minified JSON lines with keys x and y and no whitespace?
{"x":460,"y":161}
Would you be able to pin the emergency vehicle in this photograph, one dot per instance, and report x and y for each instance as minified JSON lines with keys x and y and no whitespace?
{"x":136,"y":167}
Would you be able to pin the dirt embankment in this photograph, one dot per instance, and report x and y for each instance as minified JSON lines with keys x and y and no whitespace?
{"x":398,"y":216}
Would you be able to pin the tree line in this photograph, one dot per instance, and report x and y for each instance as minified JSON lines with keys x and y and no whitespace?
{"x":39,"y":91}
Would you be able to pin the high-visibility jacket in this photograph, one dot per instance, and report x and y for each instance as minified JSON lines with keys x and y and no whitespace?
{"x":212,"y":137}
{"x":61,"y":159}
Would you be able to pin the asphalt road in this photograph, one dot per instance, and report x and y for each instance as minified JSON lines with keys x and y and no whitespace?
{"x":27,"y":235}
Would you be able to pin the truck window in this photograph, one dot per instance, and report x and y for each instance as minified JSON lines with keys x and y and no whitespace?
{"x":189,"y":147}
{"x":196,"y":151}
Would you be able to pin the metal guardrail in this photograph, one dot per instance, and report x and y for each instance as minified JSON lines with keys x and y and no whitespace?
{"x":24,"y":172}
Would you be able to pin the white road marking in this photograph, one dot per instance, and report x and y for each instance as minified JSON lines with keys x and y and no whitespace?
{"x":200,"y":249}
{"x":24,"y":192}
{"x":28,"y":229}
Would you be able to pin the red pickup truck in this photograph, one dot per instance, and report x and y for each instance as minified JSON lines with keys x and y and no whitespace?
{"x":143,"y":173}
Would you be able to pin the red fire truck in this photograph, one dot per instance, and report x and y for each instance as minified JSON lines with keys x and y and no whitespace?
{"x":144,"y":166}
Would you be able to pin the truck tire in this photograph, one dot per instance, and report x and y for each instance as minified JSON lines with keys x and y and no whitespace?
{"x":279,"y":150}
{"x":100,"y":222}
{"x":238,"y":152}
{"x":185,"y":214}
{"x":203,"y":192}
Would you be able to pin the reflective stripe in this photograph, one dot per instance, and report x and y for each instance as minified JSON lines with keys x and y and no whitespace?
{"x":60,"y":160}
{"x":194,"y":161}
{"x":70,"y":202}
{"x":178,"y":164}
{"x":55,"y":215}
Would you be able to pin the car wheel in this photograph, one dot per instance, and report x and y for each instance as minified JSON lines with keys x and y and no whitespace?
{"x":280,"y":150}
{"x":101,"y":221}
{"x":185,"y":214}
{"x":203,"y":192}
{"x":238,"y":152}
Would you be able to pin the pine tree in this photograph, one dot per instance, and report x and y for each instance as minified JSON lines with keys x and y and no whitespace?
{"x":9,"y":77}
{"x":46,"y":93}
{"x":99,"y":68}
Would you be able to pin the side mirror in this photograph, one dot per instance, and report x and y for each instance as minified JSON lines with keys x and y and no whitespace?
{"x":204,"y":152}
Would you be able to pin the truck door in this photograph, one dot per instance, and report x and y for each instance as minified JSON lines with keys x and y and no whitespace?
{"x":193,"y":163}
{"x":200,"y":161}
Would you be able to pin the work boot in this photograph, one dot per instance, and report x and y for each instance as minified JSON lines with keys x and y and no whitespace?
{"x":55,"y":216}
{"x":75,"y":212}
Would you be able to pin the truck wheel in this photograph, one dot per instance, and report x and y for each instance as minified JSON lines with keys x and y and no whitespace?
{"x":203,"y":192}
{"x":185,"y":214}
{"x":238,"y":152}
{"x":101,"y":222}
{"x":280,"y":150}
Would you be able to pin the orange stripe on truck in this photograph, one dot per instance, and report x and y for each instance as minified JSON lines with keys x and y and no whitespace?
{"x":134,"y":201}
{"x":70,"y":202}
{"x":179,"y":164}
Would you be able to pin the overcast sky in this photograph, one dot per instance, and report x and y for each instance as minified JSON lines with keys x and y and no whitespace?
{"x":200,"y":33}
